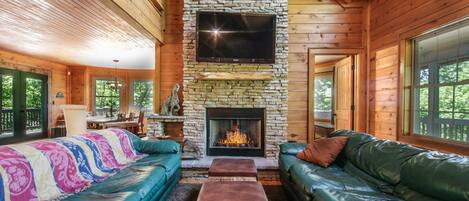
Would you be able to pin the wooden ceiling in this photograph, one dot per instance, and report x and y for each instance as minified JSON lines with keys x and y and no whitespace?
{"x":78,"y":32}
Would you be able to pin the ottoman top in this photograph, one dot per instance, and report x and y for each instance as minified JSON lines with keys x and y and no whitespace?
{"x":232,"y":191}
{"x":227,"y":167}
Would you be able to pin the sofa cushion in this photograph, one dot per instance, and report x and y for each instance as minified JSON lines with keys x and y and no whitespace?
{"x":287,"y":161}
{"x":383,"y":159}
{"x":131,"y":183}
{"x":311,"y":177}
{"x":442,"y":176}
{"x":356,"y":172}
{"x":169,"y":162}
{"x":292,"y":148}
{"x":323,"y":152}
{"x":158,"y":147}
{"x":406,"y":193}
{"x":333,"y":195}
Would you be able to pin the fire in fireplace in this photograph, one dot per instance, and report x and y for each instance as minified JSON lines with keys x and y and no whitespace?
{"x":235,"y":132}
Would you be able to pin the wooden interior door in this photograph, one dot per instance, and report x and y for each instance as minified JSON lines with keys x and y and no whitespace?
{"x":343,"y":107}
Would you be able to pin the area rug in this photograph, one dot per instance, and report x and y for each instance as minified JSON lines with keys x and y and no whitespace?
{"x":189,"y":192}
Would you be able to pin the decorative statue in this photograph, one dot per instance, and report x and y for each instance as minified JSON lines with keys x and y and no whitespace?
{"x":171,"y":106}
{"x":190,"y":150}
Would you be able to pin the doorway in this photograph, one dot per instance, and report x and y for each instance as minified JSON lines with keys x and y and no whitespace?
{"x":333,"y":93}
{"x":23,"y":104}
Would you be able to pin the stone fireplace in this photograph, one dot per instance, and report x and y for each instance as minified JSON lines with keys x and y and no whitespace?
{"x":235,"y":131}
{"x":201,"y":96}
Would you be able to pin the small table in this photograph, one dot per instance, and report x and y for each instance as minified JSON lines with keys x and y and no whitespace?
{"x":227,"y":169}
{"x":97,"y":122}
{"x":232,"y":191}
{"x":322,"y":130}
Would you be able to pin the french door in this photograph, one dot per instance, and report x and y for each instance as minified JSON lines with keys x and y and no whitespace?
{"x":23,"y":106}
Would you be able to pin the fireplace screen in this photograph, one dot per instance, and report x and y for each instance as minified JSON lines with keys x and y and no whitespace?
{"x":235,"y":133}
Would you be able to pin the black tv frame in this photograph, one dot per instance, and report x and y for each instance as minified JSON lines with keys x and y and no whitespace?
{"x":237,"y":60}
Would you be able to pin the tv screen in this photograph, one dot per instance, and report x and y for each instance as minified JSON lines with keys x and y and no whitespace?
{"x":235,"y":37}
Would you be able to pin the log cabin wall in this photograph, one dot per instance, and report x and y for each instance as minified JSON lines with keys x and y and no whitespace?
{"x":391,"y":22}
{"x":56,"y":72}
{"x":317,"y":24}
{"x":171,"y":64}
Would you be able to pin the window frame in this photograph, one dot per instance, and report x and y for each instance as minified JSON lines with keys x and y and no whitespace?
{"x":407,"y":93}
{"x":132,"y":104}
{"x":94,"y":92}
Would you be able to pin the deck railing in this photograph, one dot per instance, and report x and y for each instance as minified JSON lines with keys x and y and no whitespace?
{"x":450,"y":129}
{"x":33,"y":120}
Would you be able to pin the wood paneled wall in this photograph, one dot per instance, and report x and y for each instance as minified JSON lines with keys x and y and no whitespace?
{"x":56,"y":72}
{"x":82,"y":83}
{"x":390,"y":23}
{"x":169,"y":68}
{"x":171,"y":51}
{"x":317,"y":24}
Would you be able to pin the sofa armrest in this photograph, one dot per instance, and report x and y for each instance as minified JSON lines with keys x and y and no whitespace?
{"x":292,"y":148}
{"x":158,"y":147}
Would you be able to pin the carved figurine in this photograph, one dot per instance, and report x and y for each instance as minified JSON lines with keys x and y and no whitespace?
{"x":171,"y":106}
{"x":190,"y":150}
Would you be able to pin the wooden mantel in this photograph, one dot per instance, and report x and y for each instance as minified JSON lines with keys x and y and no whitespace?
{"x":235,"y":76}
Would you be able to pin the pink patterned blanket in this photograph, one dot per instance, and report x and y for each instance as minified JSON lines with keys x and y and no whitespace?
{"x":55,"y":168}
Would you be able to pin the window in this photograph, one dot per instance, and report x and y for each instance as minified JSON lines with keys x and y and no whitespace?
{"x":323,"y":83}
{"x":142,"y":91}
{"x":441,"y":83}
{"x":106,"y":96}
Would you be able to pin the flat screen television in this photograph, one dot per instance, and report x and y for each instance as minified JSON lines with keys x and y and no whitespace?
{"x":235,"y":37}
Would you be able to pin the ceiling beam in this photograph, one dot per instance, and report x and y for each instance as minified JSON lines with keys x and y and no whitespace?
{"x":159,"y":5}
{"x":144,"y":15}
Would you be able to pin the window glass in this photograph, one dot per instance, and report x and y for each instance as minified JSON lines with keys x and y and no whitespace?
{"x":323,"y":97}
{"x":143,"y":95}
{"x":106,"y":96}
{"x":441,"y":83}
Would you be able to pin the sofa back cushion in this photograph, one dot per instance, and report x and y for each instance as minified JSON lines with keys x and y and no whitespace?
{"x":158,"y":147}
{"x":383,"y":159}
{"x":355,"y":141}
{"x":54,"y":168}
{"x":292,"y":148}
{"x":442,"y":176}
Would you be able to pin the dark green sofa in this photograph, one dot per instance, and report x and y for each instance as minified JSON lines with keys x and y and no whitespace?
{"x":371,"y":169}
{"x":151,"y":178}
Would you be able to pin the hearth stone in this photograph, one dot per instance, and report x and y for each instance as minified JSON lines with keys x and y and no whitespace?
{"x":156,"y":124}
{"x":269,"y":94}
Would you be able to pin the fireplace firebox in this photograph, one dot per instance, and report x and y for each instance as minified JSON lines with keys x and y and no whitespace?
{"x":235,"y":131}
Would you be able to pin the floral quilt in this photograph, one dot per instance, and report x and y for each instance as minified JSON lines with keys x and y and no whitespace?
{"x":55,"y":168}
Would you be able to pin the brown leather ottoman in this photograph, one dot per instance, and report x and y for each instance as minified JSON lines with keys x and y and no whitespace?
{"x":232,"y":191}
{"x":227,"y":169}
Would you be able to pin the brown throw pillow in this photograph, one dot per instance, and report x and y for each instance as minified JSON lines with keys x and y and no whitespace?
{"x":323,"y":152}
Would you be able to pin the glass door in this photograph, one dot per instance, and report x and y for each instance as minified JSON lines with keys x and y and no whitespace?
{"x":23,"y":106}
{"x":7,"y":120}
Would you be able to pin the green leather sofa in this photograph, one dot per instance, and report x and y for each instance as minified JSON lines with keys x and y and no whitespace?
{"x":372,"y":169}
{"x":151,"y":178}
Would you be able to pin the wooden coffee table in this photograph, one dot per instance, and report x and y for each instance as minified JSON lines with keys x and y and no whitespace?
{"x":232,"y":191}
{"x":227,"y":169}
